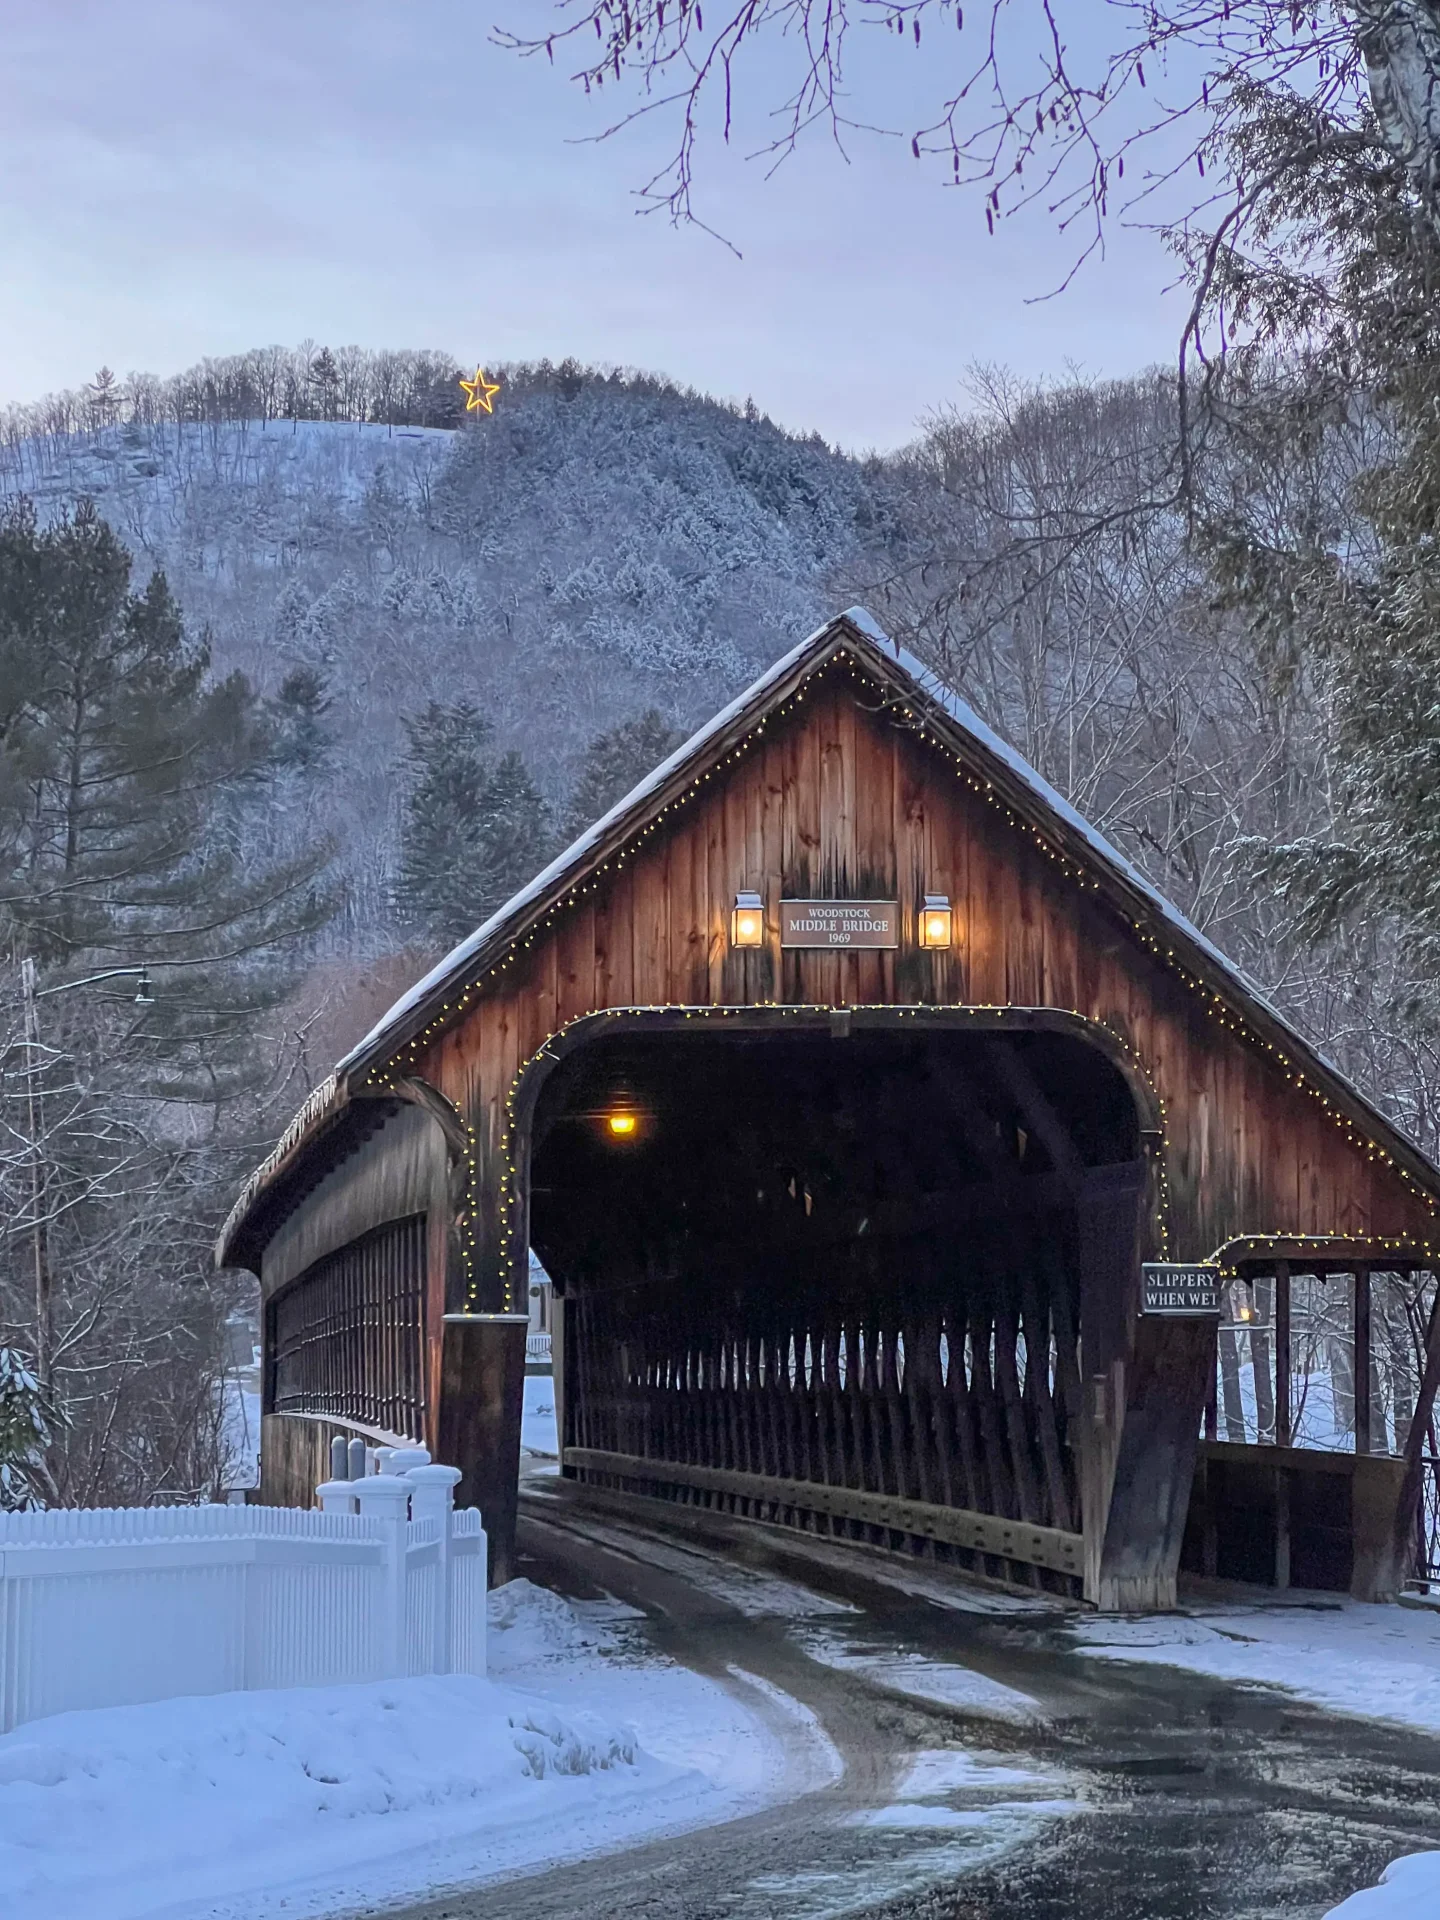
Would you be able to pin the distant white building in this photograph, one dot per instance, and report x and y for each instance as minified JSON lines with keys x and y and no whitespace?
{"x":542,"y":1296}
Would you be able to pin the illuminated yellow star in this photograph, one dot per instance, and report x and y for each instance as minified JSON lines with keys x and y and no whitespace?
{"x":479,"y":393}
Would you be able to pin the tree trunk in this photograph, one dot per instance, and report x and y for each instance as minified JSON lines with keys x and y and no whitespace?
{"x":1232,"y":1400}
{"x":1400,"y":41}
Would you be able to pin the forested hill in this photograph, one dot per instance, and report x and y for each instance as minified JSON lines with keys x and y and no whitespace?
{"x":599,"y":546}
{"x":472,"y":638}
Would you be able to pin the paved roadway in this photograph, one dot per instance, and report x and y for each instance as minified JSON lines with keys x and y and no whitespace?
{"x":1203,"y":1801}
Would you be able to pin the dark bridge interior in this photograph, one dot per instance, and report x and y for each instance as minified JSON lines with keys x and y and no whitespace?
{"x":840,"y":1260}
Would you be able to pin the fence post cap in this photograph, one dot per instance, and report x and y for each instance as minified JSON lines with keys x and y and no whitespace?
{"x":393,"y":1460}
{"x":336,"y":1490}
{"x":435,"y":1475}
{"x":380,"y":1494}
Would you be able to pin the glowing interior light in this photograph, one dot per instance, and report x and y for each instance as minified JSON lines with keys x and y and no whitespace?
{"x":621,"y":1123}
{"x":747,"y":922}
{"x":936,"y":921}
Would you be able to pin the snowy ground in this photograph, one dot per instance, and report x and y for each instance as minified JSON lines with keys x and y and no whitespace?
{"x":1409,"y":1890}
{"x":904,"y":1672}
{"x":328,"y":1798}
{"x":537,"y":1422}
{"x":1379,"y":1662}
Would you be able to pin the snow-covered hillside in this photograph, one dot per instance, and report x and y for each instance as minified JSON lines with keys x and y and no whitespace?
{"x":585,"y":553}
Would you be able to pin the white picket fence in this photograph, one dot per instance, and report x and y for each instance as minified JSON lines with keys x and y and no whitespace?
{"x":112,"y":1606}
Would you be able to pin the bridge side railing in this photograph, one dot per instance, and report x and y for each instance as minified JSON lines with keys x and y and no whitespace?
{"x":1322,"y":1410}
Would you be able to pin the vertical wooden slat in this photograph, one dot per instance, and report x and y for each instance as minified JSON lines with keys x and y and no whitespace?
{"x":1361,"y":1297}
{"x":1282,"y":1355}
{"x":982,"y":1394}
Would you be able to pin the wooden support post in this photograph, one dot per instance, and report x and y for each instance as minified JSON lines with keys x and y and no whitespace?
{"x":1402,"y":1552}
{"x":1165,"y":1383}
{"x":557,"y":1364}
{"x":1282,"y":1527}
{"x":1282,"y":1422}
{"x":1210,"y":1536}
{"x":1034,"y":1106}
{"x":482,"y":1394}
{"x":1362,"y":1358}
{"x":1282,"y":1353}
{"x":1147,"y":1381}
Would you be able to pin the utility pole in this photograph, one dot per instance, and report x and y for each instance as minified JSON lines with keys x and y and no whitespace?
{"x":39,"y":1237}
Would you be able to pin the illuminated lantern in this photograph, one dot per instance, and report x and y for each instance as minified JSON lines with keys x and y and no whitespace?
{"x":936,"y":920}
{"x":747,"y":922}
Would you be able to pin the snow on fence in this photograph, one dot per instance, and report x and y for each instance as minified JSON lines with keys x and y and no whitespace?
{"x":111,"y":1606}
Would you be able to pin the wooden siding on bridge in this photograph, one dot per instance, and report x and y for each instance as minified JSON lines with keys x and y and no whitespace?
{"x":836,"y":795}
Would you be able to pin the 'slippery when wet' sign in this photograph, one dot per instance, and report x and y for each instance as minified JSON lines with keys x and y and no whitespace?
{"x":1168,"y":1288}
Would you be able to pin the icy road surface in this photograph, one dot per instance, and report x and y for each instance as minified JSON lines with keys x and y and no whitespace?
{"x":993,"y":1767}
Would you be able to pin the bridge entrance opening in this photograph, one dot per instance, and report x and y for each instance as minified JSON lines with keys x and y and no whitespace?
{"x":846,"y":1277}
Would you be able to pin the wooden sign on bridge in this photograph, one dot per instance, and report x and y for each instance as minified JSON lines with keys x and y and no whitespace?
{"x":1182,"y":1291}
{"x":839,"y":923}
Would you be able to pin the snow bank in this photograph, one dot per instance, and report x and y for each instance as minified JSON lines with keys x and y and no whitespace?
{"x":328,"y":1799}
{"x":1409,"y":1889}
{"x":1376,"y":1661}
{"x":125,"y":1810}
{"x":530,"y":1626}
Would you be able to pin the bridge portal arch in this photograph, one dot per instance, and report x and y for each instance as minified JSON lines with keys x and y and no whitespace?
{"x":846,"y":1269}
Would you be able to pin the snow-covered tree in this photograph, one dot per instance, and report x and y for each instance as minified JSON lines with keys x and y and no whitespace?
{"x":616,"y":761}
{"x":136,"y":794}
{"x":26,"y":1430}
{"x":475,"y":828}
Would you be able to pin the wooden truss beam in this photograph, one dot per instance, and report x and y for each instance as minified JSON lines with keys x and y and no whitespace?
{"x":955,"y":1526}
{"x":1039,"y":1115}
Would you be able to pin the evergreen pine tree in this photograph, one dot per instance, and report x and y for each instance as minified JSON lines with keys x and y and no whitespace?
{"x":616,"y":761}
{"x":103,"y":398}
{"x":1341,"y":276}
{"x":131,"y":781}
{"x":302,"y":739}
{"x":136,"y":793}
{"x":473,"y":830}
{"x":514,"y":832}
{"x":445,"y":773}
{"x":26,"y":1429}
{"x":325,"y":379}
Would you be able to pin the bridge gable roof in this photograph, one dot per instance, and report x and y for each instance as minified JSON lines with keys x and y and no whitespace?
{"x":928,"y":706}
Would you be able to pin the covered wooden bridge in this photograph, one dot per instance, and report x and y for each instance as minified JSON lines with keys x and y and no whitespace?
{"x":896,"y":1151}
